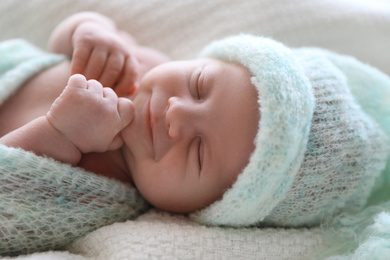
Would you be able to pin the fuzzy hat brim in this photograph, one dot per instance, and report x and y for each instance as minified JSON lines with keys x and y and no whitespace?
{"x":286,"y":104}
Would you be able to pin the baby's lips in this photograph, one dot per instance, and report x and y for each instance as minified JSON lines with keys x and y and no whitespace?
{"x":132,"y":90}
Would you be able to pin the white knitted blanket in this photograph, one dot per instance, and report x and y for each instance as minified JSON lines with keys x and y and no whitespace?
{"x":181,"y":28}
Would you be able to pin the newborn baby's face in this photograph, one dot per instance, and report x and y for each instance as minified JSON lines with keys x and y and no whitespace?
{"x":193,"y":132}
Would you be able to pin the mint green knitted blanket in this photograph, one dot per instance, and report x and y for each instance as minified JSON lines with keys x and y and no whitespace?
{"x":364,"y":234}
{"x":45,"y":204}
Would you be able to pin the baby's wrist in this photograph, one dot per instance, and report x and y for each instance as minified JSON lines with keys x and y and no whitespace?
{"x":70,"y":149}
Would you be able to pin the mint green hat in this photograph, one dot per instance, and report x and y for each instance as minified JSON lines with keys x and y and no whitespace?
{"x":316,"y":151}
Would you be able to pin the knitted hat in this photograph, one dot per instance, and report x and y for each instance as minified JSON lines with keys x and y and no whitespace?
{"x":316,"y":150}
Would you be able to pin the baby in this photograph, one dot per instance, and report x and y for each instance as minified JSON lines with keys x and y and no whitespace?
{"x":181,"y":142}
{"x":253,"y":133}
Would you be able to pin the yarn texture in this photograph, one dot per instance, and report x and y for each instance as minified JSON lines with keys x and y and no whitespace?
{"x":46,"y":205}
{"x":346,"y":151}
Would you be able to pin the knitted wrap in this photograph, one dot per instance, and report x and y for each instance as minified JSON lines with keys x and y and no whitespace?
{"x":45,"y":205}
{"x":346,"y":151}
{"x":317,"y":151}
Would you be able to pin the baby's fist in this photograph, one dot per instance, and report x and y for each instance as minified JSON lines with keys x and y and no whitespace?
{"x":90,"y":116}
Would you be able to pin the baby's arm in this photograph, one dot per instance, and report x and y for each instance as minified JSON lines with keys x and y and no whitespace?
{"x":85,"y":118}
{"x":101,"y":51}
{"x":40,"y":137}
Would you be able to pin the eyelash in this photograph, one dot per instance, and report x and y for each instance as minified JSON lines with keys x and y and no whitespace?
{"x":200,"y":153}
{"x":197,"y":88}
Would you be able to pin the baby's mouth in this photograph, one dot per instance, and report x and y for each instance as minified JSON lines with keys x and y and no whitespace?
{"x":149,"y":127}
{"x":151,"y":124}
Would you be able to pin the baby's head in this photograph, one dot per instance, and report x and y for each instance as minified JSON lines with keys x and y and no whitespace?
{"x":224,"y":137}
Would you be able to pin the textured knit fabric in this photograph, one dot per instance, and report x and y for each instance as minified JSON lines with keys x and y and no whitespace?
{"x":19,"y":61}
{"x":344,"y":152}
{"x":44,"y":204}
{"x":180,"y":238}
{"x":347,"y":148}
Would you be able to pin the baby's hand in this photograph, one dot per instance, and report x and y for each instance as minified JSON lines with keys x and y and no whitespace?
{"x":103,"y":54}
{"x":90,"y":116}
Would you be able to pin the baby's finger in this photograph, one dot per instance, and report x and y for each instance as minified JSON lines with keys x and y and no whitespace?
{"x":80,"y":59}
{"x":110,"y":94}
{"x":96,"y":63}
{"x":112,"y":69}
{"x":95,"y":87}
{"x":126,"y":111}
{"x":128,"y":77}
{"x":77,"y":81}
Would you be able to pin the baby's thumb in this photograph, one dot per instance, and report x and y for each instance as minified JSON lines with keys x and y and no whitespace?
{"x":126,"y":111}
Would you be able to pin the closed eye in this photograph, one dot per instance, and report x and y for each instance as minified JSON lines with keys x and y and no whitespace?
{"x":200,"y":153}
{"x":196,"y":84}
{"x":199,"y":85}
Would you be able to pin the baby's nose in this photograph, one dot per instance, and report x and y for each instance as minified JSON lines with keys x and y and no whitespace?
{"x":182,"y":117}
